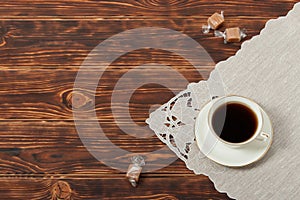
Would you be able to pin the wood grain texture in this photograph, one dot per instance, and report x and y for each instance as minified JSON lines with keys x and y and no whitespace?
{"x":156,"y":188}
{"x":53,"y":148}
{"x":65,"y":44}
{"x":42,"y":45}
{"x":139,"y":8}
{"x":43,"y":94}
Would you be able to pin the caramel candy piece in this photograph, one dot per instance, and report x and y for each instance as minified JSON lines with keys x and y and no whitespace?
{"x":135,"y":169}
{"x":215,"y":21}
{"x":133,"y":174}
{"x":233,"y":34}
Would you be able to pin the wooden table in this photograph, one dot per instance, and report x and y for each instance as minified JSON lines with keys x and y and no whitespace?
{"x":42,"y":45}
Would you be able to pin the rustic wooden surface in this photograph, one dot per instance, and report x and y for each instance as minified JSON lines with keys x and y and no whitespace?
{"x":43,"y":43}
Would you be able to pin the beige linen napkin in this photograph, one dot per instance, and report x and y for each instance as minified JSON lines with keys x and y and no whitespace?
{"x":267,"y":70}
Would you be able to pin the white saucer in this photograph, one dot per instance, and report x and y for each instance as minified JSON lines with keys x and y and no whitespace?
{"x":228,"y":156}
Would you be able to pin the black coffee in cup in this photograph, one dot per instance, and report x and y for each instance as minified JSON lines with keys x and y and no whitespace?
{"x":234,"y":122}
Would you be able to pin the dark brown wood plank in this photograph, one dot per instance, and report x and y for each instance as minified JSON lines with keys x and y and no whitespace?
{"x":156,"y":188}
{"x":65,"y":44}
{"x":47,"y":148}
{"x":45,"y":94}
{"x":141,"y":8}
{"x":39,"y":146}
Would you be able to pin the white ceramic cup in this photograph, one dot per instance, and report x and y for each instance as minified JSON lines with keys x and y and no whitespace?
{"x":256,"y":109}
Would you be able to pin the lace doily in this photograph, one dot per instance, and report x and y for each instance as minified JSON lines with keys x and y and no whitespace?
{"x":174,"y":122}
{"x":266,"y":69}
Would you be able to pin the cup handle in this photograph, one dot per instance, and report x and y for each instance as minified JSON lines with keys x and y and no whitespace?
{"x":263,"y":136}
